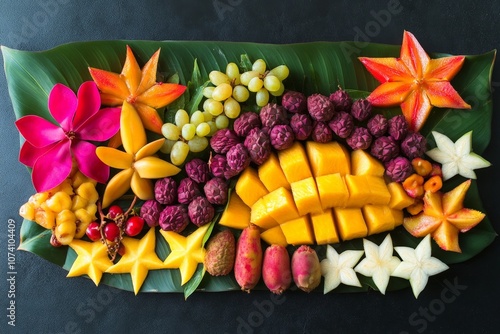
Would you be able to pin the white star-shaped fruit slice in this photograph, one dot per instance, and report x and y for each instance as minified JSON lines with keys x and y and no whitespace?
{"x":339,"y":268}
{"x":418,"y":265}
{"x":139,"y":258}
{"x":456,"y":158}
{"x":92,"y":259}
{"x":379,"y":262}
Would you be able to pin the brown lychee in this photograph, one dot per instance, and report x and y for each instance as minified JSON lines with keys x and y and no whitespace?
{"x":220,"y":253}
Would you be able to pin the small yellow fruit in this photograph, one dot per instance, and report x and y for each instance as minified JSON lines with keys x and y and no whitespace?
{"x":65,"y":232}
{"x":45,"y":218}
{"x":65,"y":216}
{"x":87,"y":191}
{"x":79,"y":202}
{"x":59,"y":201}
{"x":27,"y":211}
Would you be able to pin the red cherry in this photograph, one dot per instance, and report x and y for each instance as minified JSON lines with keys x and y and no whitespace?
{"x":114,"y":211}
{"x":134,"y":226}
{"x":93,"y":231}
{"x":111,"y":231}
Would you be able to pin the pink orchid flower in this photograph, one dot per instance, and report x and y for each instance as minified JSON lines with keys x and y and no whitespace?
{"x":51,"y":149}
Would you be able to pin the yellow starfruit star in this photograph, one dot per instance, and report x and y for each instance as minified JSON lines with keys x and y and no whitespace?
{"x":138,"y":163}
{"x":139,"y":258}
{"x":186,"y":252}
{"x":444,"y":217}
{"x":137,"y":87}
{"x":92,"y":260}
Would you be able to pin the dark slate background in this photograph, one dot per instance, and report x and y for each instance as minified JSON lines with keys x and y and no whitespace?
{"x":47,"y":302}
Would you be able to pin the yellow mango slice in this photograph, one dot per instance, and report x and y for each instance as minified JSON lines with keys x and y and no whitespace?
{"x":359,"y":191}
{"x":399,"y":197}
{"x":271,"y":174}
{"x":379,"y":194}
{"x":274,"y":236}
{"x":249,"y":187}
{"x":363,"y":163}
{"x":305,"y":195}
{"x":324,"y":229}
{"x":328,"y":158}
{"x":378,"y":218}
{"x":397,"y":216}
{"x":298,"y":231}
{"x":260,"y":217}
{"x":280,"y":205}
{"x":332,"y":191}
{"x":294,"y":163}
{"x":350,"y":223}
{"x":237,"y":214}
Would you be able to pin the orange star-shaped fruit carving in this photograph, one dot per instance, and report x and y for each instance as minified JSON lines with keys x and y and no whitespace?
{"x":444,"y":217}
{"x":415,"y":82}
{"x":137,"y":87}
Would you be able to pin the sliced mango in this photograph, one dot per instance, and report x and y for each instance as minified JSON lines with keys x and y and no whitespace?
{"x":294,"y":163}
{"x":280,"y":205}
{"x":274,"y":236}
{"x":363,"y":163}
{"x":249,"y":187}
{"x":305,"y":195}
{"x":298,"y":231}
{"x":350,"y":223}
{"x":399,"y":197}
{"x":260,"y":217}
{"x":271,"y":174}
{"x":328,"y":158}
{"x":332,"y":191}
{"x":359,"y":191}
{"x":379,"y":194}
{"x":378,"y":218}
{"x":237,"y":213}
{"x":324,"y":228}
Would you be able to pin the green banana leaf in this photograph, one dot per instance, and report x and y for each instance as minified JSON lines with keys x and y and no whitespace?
{"x":314,"y":68}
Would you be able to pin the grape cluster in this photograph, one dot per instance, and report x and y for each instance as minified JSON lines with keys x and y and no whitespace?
{"x":67,"y":209}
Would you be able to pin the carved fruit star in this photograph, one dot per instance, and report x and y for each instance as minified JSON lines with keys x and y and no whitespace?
{"x":444,"y":217}
{"x":186,"y":252}
{"x":379,"y":262}
{"x":138,"y":161}
{"x":456,"y":158}
{"x":139,"y":258}
{"x":137,"y":87}
{"x":339,"y":268}
{"x":418,"y":265}
{"x":415,"y":82}
{"x":92,"y":260}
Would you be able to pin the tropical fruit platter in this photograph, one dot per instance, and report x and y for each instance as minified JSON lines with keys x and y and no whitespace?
{"x":213,"y":166}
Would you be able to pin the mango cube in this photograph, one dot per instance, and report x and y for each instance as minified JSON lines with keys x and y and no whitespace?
{"x":324,"y":228}
{"x":359,"y":191}
{"x":294,"y":163}
{"x":397,"y":216}
{"x":363,"y":163}
{"x":280,"y":205}
{"x":332,"y":191}
{"x":260,"y":217}
{"x":379,"y":194}
{"x":399,"y":197}
{"x":271,"y":174}
{"x":328,"y":158}
{"x":249,"y":187}
{"x":237,"y":214}
{"x":298,"y":231}
{"x":274,"y":236}
{"x":378,"y":218}
{"x":305,"y":195}
{"x":350,"y":223}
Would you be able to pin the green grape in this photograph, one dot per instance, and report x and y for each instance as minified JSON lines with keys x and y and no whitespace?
{"x":233,"y":72}
{"x":281,"y":72}
{"x":280,"y":91}
{"x":197,"y":118}
{"x":198,"y":144}
{"x":203,"y":129}
{"x":179,"y":153}
{"x":170,"y":131}
{"x":188,"y":131}
{"x":214,"y":107}
{"x":259,"y":65}
{"x":207,"y":91}
{"x":213,"y":127}
{"x":217,"y":78}
{"x":221,"y":122}
{"x":181,"y":118}
{"x":255,"y":84}
{"x":222,"y":92}
{"x":272,"y":83}
{"x":247,"y":76}
{"x":262,"y":97}
{"x":208,"y":116}
{"x":167,"y":146}
{"x":232,"y":108}
{"x":240,"y":93}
